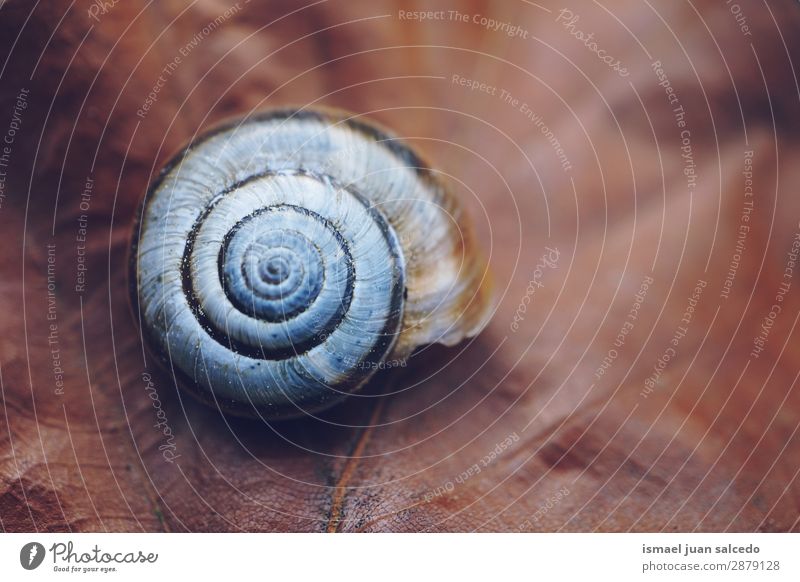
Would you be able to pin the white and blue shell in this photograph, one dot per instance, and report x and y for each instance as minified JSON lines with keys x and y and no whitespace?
{"x":281,"y":259}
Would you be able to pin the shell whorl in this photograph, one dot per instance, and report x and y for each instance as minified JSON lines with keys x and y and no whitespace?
{"x":281,"y":260}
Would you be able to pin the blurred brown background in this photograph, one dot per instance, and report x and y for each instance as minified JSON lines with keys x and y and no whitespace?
{"x":707,"y":439}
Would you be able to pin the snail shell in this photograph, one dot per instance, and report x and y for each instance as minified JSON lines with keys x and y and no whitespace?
{"x":281,"y":260}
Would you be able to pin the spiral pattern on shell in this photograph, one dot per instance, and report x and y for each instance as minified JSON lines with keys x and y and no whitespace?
{"x":280,"y":260}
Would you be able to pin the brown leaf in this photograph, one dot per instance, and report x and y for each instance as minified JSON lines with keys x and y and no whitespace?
{"x":519,"y":429}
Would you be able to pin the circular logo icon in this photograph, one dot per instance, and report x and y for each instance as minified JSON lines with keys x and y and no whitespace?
{"x":31,"y":555}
